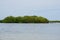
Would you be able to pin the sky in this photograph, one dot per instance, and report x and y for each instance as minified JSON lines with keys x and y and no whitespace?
{"x":49,"y":9}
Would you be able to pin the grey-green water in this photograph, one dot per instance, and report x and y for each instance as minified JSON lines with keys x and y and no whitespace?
{"x":29,"y":31}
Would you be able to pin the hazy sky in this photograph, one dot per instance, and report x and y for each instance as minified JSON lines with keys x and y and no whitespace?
{"x":46,"y":8}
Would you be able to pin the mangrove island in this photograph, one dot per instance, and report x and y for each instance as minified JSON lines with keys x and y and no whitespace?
{"x":24,"y":19}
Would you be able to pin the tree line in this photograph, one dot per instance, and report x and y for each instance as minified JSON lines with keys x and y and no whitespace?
{"x":24,"y":19}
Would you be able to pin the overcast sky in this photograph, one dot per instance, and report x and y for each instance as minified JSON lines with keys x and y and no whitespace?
{"x":47,"y":8}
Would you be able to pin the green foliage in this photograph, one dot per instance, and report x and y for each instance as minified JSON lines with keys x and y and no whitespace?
{"x":54,"y":21}
{"x":0,"y":21}
{"x":9,"y":19}
{"x":25,"y":19}
{"x":18,"y":19}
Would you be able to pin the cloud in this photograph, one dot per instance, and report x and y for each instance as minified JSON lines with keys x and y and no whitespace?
{"x":30,"y":3}
{"x":29,"y":7}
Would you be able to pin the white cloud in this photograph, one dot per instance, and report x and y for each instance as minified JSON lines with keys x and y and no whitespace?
{"x":30,"y":3}
{"x":12,"y":7}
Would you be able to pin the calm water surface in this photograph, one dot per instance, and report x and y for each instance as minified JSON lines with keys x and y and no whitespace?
{"x":29,"y":31}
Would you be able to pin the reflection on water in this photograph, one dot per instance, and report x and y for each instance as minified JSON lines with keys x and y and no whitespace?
{"x":30,"y":31}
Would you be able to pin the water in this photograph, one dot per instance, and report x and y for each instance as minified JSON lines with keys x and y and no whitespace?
{"x":15,"y":31}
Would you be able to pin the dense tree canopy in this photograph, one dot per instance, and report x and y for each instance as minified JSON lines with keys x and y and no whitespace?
{"x":9,"y":19}
{"x":25,"y":19}
{"x":0,"y":21}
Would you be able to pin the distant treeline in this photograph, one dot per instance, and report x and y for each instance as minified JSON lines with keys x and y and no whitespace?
{"x":24,"y":19}
{"x":54,"y":21}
